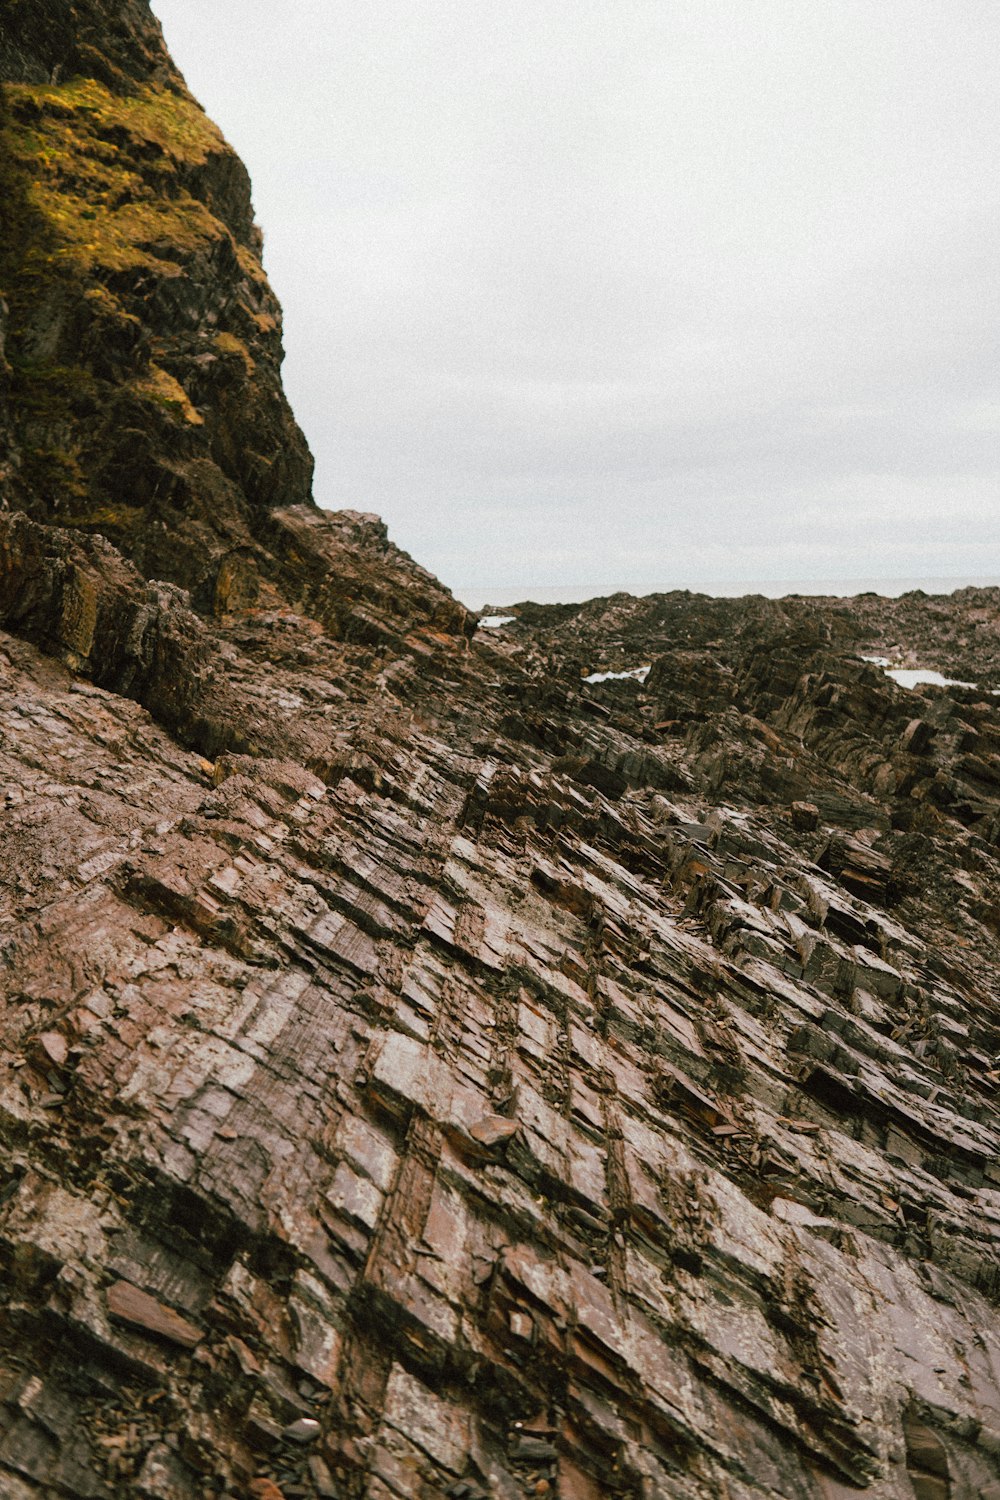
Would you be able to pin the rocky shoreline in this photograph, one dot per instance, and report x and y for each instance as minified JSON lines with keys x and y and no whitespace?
{"x":425,"y":1072}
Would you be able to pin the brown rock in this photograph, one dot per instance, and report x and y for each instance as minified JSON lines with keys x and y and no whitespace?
{"x":261,"y":1432}
{"x":521,"y":1325}
{"x":52,"y":1049}
{"x":493,"y":1130}
{"x":322,"y":1478}
{"x":930,"y":1487}
{"x":805,"y":817}
{"x":916,"y":737}
{"x":130,"y":1305}
{"x":264,"y":1489}
{"x":316,"y":883}
{"x":924,"y":1449}
{"x":533,"y":1450}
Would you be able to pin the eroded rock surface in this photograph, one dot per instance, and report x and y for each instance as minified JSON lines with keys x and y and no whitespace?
{"x":427,"y":1073}
{"x":500,"y":1072}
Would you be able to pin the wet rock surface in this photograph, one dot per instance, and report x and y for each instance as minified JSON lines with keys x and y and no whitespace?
{"x":424,"y":1072}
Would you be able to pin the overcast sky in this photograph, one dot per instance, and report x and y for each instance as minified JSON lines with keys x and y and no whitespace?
{"x":632,"y":293}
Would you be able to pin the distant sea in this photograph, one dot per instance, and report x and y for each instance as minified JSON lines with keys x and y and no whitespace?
{"x":479,"y":596}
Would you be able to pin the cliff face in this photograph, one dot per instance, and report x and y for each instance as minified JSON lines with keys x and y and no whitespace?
{"x":142,"y":399}
{"x":427,"y":1072}
{"x":118,"y":41}
{"x":143,"y":338}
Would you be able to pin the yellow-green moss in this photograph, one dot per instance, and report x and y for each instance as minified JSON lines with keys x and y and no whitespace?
{"x":250,"y":265}
{"x":106,"y":171}
{"x":102,"y":515}
{"x":93,"y":184}
{"x":228,"y":343}
{"x":53,"y":474}
{"x":154,"y":116}
{"x":133,"y":234}
{"x":40,"y":387}
{"x":157,"y":385}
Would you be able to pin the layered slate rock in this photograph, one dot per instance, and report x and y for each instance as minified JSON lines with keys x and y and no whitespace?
{"x":425,"y":1072}
{"x":510,"y":1091}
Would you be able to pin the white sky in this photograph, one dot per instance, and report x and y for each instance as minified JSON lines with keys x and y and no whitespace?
{"x":637,"y":294}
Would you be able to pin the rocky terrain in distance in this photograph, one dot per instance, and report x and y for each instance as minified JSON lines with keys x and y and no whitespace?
{"x":426,"y":1072}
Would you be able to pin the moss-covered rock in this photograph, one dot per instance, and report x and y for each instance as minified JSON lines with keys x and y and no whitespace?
{"x":140,"y":395}
{"x":143,"y":340}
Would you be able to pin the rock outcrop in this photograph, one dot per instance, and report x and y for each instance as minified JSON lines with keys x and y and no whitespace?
{"x":143,"y":338}
{"x":425,"y":1071}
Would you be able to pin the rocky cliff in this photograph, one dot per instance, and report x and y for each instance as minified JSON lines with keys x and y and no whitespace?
{"x":141,"y":341}
{"x":427,"y":1071}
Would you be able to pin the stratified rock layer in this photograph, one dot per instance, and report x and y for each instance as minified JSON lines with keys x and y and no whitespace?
{"x":519,"y":1082}
{"x":427,"y":1072}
